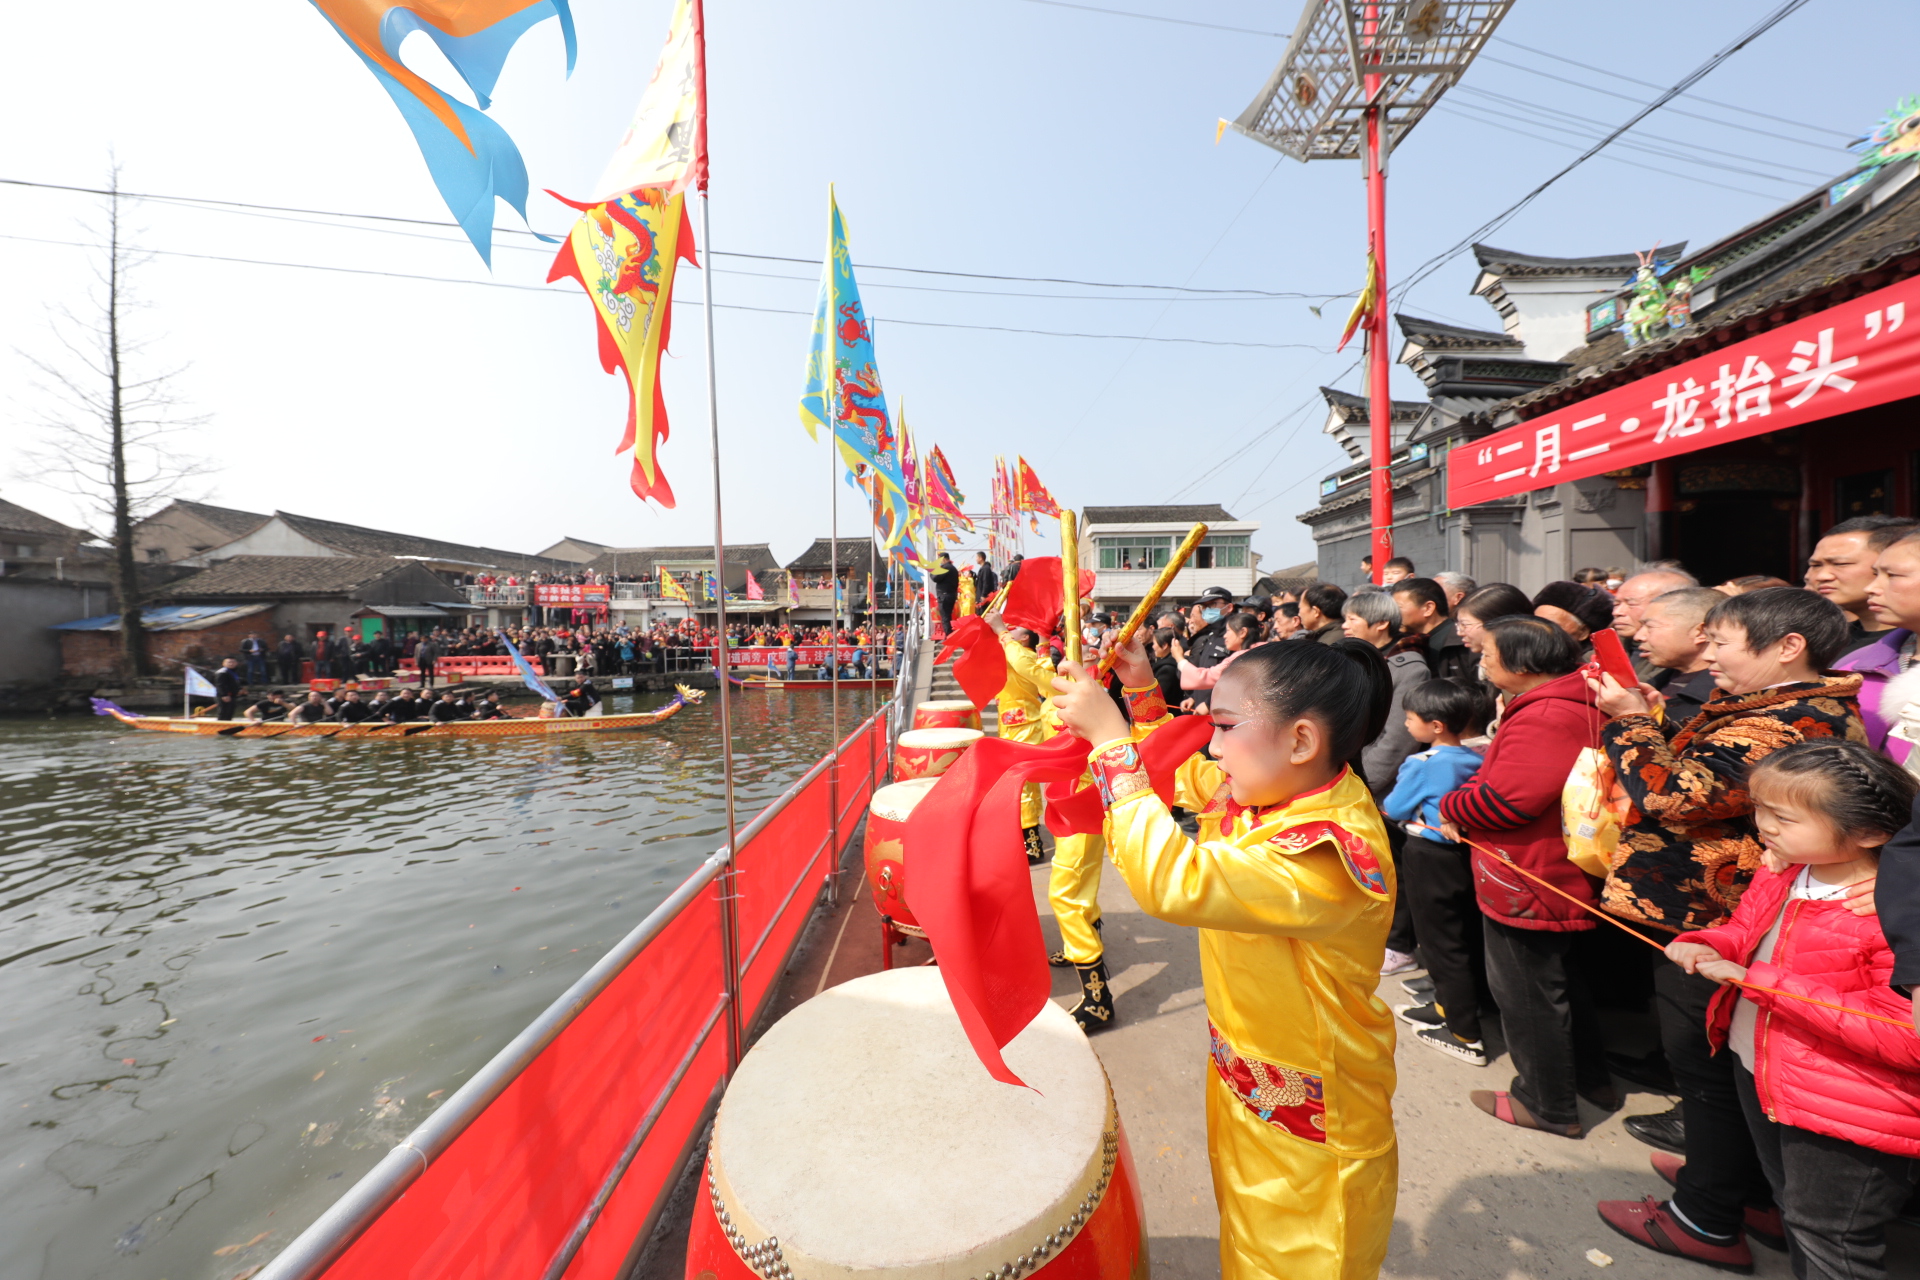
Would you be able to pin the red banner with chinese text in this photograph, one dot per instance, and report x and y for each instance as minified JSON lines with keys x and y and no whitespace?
{"x":1862,"y":353}
{"x":564,"y":594}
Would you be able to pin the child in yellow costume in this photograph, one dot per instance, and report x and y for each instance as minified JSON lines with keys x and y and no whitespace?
{"x":1291,"y":886}
{"x":1029,"y":676}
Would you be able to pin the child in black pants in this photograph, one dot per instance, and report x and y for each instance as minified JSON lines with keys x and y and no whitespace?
{"x":1436,"y":874}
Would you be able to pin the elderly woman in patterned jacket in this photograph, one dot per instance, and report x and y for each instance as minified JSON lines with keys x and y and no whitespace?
{"x":1689,"y":850}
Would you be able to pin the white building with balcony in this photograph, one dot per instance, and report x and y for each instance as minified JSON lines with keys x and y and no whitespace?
{"x":1129,"y":546}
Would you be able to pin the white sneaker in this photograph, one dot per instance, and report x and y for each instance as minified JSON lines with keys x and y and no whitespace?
{"x":1445,"y":1041}
{"x":1397,"y":962}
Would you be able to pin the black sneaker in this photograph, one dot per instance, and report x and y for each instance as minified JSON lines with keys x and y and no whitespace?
{"x":1473,"y":1053}
{"x":1664,"y":1129}
{"x":1420,"y":988}
{"x":1421,"y":1015}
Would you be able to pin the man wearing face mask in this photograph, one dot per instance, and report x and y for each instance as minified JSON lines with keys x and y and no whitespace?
{"x":1207,"y":645}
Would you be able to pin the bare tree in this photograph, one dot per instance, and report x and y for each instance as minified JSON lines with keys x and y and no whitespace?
{"x":108,"y":440}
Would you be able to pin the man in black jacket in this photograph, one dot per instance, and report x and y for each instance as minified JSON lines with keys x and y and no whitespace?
{"x":1322,"y":606}
{"x":403,"y":708}
{"x":985,"y":583}
{"x":1207,"y":644}
{"x":946,"y":589}
{"x":351,"y":710}
{"x":1423,"y":612}
{"x":289,"y":654}
{"x":226,"y":687}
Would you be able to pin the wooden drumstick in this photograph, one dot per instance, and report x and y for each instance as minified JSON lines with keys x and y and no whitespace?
{"x":1070,"y":583}
{"x":1181,"y":554}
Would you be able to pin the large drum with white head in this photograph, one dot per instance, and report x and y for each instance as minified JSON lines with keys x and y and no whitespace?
{"x":946,"y":713}
{"x":928,"y":753}
{"x":861,"y":1139}
{"x":885,"y":849}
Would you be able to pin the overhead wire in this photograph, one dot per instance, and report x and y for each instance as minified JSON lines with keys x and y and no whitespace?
{"x":727,"y":306}
{"x":239,"y":205}
{"x":1469,"y":113}
{"x":1688,"y":152}
{"x":1752,"y":33}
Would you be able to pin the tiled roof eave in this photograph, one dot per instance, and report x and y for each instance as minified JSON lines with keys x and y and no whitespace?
{"x":1897,"y":262}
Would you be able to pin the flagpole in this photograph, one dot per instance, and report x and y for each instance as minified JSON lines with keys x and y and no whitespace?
{"x":729,"y":891}
{"x":833,"y":649}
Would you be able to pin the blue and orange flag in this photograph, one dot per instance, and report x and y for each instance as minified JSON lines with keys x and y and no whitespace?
{"x":843,"y":385}
{"x":471,"y":159}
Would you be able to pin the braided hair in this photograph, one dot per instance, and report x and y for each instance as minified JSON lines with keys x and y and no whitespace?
{"x":1861,"y":792}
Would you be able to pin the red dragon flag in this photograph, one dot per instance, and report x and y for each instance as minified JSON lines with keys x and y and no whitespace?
{"x":1031,"y":496}
{"x":634,"y":232}
{"x":754,"y":589}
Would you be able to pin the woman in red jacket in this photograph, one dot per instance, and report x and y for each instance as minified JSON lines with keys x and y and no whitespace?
{"x":1832,"y":1098}
{"x":1512,"y":806}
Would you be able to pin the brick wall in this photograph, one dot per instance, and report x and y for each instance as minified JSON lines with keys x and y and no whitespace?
{"x":97,"y":653}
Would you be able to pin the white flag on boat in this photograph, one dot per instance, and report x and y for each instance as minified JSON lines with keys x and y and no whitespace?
{"x":198,"y":686}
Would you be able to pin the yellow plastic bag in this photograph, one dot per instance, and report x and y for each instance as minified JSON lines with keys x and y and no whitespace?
{"x":1593,"y":811}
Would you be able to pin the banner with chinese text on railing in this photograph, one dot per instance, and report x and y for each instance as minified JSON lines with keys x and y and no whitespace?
{"x":807,"y":655}
{"x":564,"y":594}
{"x":1862,"y":353}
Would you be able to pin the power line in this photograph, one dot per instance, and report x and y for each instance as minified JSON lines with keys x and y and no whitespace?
{"x":1690,"y":152}
{"x":1154,"y":17}
{"x":1458,"y":107}
{"x":725,"y":306}
{"x":1648,"y":84}
{"x":1667,"y":95}
{"x":522,"y":231}
{"x":1671,"y":110}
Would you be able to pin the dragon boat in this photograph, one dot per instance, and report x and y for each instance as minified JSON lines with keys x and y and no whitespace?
{"x":505,"y":727}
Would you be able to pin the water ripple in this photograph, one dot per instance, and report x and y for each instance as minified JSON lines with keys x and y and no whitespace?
{"x":233,"y":972}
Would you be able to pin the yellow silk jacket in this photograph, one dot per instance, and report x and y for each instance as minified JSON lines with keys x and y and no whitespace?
{"x":1029,"y":684}
{"x":1293,"y":905}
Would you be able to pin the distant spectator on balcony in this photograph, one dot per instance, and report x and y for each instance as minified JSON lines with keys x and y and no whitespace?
{"x":289,"y":653}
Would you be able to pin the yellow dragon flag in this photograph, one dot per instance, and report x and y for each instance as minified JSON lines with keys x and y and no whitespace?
{"x":672,"y":590}
{"x":623,"y":252}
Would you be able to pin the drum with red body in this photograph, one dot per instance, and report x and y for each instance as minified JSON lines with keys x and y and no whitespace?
{"x":928,"y":753}
{"x":947,"y":713}
{"x":936,"y":1172}
{"x":885,"y":850}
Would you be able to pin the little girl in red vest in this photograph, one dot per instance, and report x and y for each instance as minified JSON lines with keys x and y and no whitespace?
{"x":1833,"y":1098}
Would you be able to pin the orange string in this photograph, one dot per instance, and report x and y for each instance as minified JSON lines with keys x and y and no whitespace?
{"x":1621,"y":925}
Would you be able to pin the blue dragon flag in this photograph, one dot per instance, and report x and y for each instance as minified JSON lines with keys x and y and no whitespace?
{"x":843,"y":385}
{"x":527,"y":673}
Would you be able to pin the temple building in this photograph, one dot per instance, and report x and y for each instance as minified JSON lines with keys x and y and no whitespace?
{"x":1719,"y":406}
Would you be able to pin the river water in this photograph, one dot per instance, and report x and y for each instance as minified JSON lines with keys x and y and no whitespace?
{"x":233,"y":973}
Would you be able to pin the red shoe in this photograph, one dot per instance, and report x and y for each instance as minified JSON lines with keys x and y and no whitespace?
{"x":1504,"y":1107}
{"x":1763,"y":1225}
{"x":1647,"y":1222}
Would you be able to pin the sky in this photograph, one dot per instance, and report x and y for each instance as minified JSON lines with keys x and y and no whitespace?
{"x":1005,"y":138}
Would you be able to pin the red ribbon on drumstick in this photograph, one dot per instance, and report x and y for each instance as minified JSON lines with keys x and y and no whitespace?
{"x":971,"y":889}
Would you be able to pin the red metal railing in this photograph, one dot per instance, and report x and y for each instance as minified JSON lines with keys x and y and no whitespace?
{"x":554,"y":1160}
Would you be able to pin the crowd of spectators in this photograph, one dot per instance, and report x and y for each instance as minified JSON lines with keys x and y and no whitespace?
{"x":1752,"y":772}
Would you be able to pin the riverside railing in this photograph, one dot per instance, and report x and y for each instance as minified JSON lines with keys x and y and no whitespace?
{"x":555,"y":1159}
